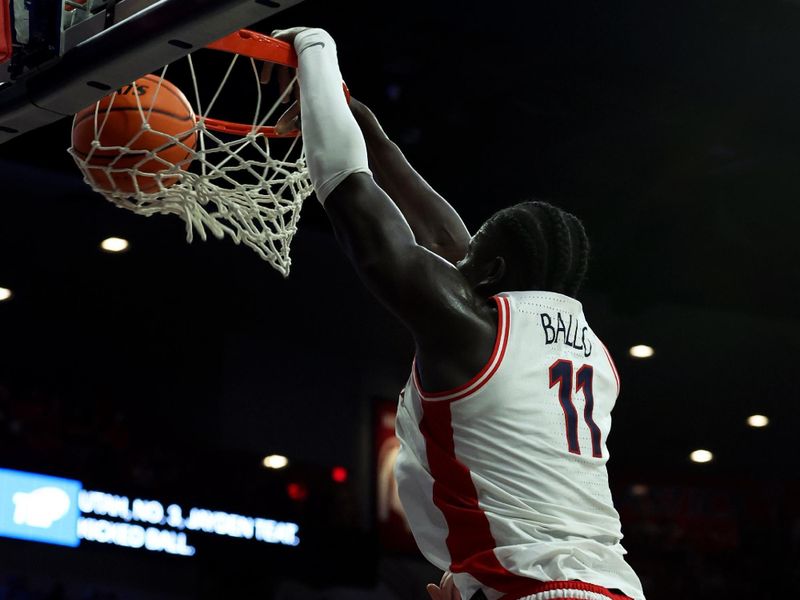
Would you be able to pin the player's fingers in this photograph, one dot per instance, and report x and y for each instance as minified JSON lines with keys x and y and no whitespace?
{"x":452,"y":592}
{"x":285,"y":81}
{"x":266,"y":72}
{"x":433,"y":591}
{"x":290,"y":120}
{"x":296,"y":89}
{"x":289,"y":126}
{"x":287,"y":35}
{"x":448,"y":587}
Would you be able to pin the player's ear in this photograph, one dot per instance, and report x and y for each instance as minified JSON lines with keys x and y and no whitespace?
{"x":494,"y":272}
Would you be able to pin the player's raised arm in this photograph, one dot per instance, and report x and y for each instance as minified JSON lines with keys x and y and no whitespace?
{"x":435,"y":223}
{"x":428,"y":293}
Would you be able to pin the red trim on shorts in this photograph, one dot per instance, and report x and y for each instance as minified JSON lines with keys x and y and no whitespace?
{"x":537,"y":587}
{"x":611,"y":362}
{"x":488,"y":370}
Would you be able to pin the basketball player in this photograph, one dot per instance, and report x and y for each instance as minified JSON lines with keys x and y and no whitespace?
{"x":504,"y":420}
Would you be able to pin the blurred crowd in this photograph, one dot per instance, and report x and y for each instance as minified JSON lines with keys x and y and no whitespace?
{"x":716,"y":537}
{"x":91,"y":439}
{"x":15,"y":587}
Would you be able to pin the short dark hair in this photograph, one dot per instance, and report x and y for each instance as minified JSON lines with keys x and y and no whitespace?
{"x":543,"y":246}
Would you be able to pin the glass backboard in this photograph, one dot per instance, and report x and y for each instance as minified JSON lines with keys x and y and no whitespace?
{"x":67,"y":56}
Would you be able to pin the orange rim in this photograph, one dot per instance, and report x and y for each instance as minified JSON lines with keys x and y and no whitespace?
{"x":243,"y":129}
{"x":260,"y":47}
{"x":257,"y":45}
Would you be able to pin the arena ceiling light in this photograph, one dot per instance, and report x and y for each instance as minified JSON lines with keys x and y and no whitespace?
{"x":757,"y":421}
{"x":5,"y":294}
{"x":275,"y":461}
{"x":641,"y":351}
{"x":114,"y":244}
{"x":701,"y":456}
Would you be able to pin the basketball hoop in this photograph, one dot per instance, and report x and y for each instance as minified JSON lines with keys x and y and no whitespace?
{"x":235,"y":181}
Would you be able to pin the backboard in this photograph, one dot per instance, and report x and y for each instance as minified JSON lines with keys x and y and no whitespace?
{"x":64,"y":60}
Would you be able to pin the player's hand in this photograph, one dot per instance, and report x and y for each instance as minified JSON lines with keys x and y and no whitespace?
{"x":446,"y":590}
{"x":288,"y":88}
{"x":289,"y":91}
{"x":284,"y":73}
{"x":290,"y":120}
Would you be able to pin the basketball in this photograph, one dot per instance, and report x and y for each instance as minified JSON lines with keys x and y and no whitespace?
{"x":117,"y":122}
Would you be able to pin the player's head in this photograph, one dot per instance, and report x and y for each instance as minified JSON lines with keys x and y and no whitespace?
{"x":529,"y":246}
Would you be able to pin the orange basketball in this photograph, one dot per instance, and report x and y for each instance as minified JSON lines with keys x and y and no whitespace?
{"x":118,"y":121}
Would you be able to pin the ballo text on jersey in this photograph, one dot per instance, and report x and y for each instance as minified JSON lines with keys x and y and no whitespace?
{"x":566,"y":333}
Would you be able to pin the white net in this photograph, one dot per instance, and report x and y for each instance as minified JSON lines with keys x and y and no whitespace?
{"x":237,"y":185}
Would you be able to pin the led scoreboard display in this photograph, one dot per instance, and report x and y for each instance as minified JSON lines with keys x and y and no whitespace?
{"x":53,"y":510}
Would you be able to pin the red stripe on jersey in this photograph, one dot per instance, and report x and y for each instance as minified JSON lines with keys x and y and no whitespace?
{"x":489,"y":369}
{"x":613,"y":366}
{"x":469,"y":539}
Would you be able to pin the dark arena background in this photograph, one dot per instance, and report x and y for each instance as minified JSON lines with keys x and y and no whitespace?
{"x":159,"y":379}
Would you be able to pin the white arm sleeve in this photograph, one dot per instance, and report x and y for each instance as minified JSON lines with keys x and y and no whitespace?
{"x":334,"y":144}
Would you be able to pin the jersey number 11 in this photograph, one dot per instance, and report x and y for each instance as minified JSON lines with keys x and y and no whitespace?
{"x":561,"y":374}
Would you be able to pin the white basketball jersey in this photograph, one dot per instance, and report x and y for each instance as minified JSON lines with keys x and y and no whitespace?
{"x":504,"y":479}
